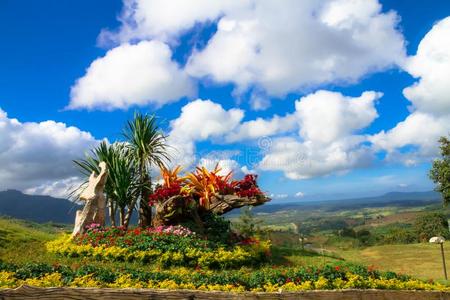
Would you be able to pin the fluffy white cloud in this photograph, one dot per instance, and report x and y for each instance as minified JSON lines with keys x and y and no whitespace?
{"x":284,"y":48}
{"x":226,"y":166}
{"x":57,"y":188}
{"x":419,"y":131}
{"x":34,"y":156}
{"x":328,"y":141}
{"x":262,"y":128}
{"x":131,"y":75}
{"x":326,"y":116}
{"x":200,"y":120}
{"x":164,"y":20}
{"x":302,"y":160}
{"x":415,"y":139}
{"x":431,"y":64}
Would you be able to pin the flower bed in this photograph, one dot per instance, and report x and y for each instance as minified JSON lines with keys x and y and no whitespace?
{"x":267,"y":279}
{"x":166,"y":246}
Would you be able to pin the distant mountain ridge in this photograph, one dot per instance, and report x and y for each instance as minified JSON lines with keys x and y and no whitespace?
{"x":49,"y":209}
{"x":398,"y":198}
{"x":36,"y":208}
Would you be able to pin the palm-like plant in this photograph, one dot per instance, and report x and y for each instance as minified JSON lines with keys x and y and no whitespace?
{"x":147,"y":145}
{"x":121,"y":186}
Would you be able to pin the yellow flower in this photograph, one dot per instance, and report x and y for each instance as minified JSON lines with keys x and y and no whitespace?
{"x":48,"y":280}
{"x":7,"y":280}
{"x":85,"y":281}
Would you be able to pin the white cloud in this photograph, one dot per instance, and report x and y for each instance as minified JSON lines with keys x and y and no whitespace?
{"x":328,"y":141}
{"x":299,"y":194}
{"x":326,"y":116}
{"x":420,"y":131}
{"x":56,"y":188}
{"x":302,"y":160}
{"x":279,"y":196}
{"x":130,"y":75}
{"x":226,"y":166}
{"x":200,"y":120}
{"x":34,"y":155}
{"x":165,"y":20}
{"x":288,"y":47}
{"x":260,"y":127}
{"x":414,"y":139}
{"x":431,"y":94}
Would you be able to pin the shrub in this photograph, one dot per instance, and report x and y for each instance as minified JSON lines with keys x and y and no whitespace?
{"x":334,"y":276}
{"x":431,"y":224}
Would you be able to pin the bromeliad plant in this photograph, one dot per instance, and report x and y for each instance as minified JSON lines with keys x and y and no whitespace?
{"x":201,"y":192}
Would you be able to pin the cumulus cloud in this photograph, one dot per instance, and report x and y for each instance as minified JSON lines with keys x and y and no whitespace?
{"x":285,"y":48}
{"x":37,"y":157}
{"x":328,"y":141}
{"x":260,"y":127}
{"x":130,"y":75}
{"x":165,"y":20}
{"x":199,"y":120}
{"x":326,"y":116}
{"x":431,"y":64}
{"x":226,"y":166}
{"x":414,"y":139}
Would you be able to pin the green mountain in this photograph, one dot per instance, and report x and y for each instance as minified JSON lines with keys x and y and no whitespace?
{"x":35,"y":208}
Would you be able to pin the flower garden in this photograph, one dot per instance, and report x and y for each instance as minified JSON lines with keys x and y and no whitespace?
{"x":182,"y":241}
{"x":267,"y":279}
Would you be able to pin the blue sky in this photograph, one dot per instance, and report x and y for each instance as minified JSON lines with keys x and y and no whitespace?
{"x":169,"y":57}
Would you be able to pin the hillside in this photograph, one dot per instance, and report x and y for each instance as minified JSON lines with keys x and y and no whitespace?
{"x":35,"y":208}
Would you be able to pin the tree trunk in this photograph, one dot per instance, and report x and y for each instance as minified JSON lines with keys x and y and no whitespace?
{"x":112,"y":213}
{"x":122,"y":216}
{"x":145,"y":211}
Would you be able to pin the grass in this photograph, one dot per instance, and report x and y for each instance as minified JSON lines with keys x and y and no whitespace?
{"x":423,"y":261}
{"x":22,"y":242}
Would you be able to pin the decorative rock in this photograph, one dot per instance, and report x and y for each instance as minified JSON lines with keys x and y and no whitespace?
{"x":94,"y":209}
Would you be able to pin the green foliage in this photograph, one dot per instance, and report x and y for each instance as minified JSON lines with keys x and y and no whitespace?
{"x":431,"y":224}
{"x":121,"y":186}
{"x":217,"y":229}
{"x":440,"y":171}
{"x":245,"y":278}
{"x":147,"y":145}
{"x":247,"y":225}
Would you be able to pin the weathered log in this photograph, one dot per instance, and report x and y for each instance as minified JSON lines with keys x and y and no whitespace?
{"x":27,"y":292}
{"x":93,"y":195}
{"x":224,"y":203}
{"x":171,"y":210}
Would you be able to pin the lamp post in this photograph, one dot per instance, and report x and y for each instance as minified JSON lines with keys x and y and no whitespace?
{"x":440,"y":240}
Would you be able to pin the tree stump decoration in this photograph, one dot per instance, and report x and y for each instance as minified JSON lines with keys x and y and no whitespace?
{"x":95,"y":202}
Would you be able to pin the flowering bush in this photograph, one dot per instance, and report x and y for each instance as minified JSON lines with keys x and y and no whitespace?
{"x":164,"y":249}
{"x":263,"y":280}
{"x":164,"y":238}
{"x":247,"y":187}
{"x":202,"y":185}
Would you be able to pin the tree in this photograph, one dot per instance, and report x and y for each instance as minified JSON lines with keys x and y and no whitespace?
{"x":247,"y":225}
{"x":121,"y":186}
{"x":440,"y":171}
{"x":431,"y":224}
{"x":147,"y":146}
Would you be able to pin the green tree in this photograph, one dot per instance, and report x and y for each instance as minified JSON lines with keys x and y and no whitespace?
{"x":121,"y":186}
{"x":431,"y":224}
{"x":247,"y":225}
{"x":440,"y":172}
{"x":148,"y":148}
